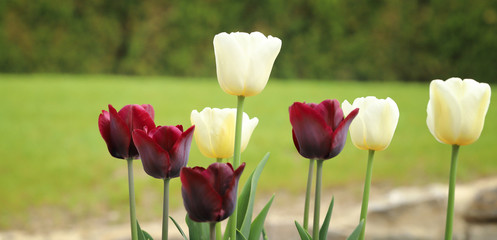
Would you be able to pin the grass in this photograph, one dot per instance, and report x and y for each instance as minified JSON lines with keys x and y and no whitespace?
{"x":56,"y":166}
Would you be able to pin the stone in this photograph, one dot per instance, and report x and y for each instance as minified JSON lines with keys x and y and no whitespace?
{"x":484,"y":207}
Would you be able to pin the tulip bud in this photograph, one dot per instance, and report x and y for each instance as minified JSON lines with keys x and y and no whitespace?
{"x":215,"y":131}
{"x":375,"y":124}
{"x":244,"y":61}
{"x":319,"y":130}
{"x":456,"y":110}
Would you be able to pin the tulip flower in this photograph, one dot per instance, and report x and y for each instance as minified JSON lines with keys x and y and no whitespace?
{"x":116,"y":128}
{"x":215,"y":131}
{"x":164,"y":150}
{"x":456,"y":114}
{"x":456,"y":110}
{"x":244,"y":61}
{"x":372,"y":130}
{"x":375,"y":124}
{"x":319,"y":132}
{"x":209,"y":195}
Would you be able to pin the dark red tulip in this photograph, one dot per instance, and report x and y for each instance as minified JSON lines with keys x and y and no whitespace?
{"x":164,"y":150}
{"x":116,"y":128}
{"x":209,"y":195}
{"x":320,"y":130}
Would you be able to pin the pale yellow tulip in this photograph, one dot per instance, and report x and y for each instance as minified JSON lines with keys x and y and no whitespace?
{"x":456,"y":110}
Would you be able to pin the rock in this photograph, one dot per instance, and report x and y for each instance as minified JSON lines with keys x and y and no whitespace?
{"x":484,"y":207}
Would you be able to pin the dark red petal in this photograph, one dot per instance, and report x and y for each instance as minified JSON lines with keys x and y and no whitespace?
{"x":202,"y":202}
{"x":104,"y":125}
{"x":229,"y":197}
{"x":311,"y":131}
{"x":220,"y":176}
{"x":149,"y":109}
{"x":120,"y":136}
{"x":331,"y":112}
{"x":295,"y":141}
{"x":180,"y":152}
{"x":167,"y":136}
{"x":340,"y":134}
{"x":136,"y":117}
{"x":155,"y":160}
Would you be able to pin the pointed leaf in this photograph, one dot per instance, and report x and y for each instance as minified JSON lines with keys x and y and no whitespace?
{"x":304,"y":235}
{"x":198,"y":230}
{"x":179,"y":228}
{"x":142,"y":235}
{"x":239,"y":235}
{"x":324,"y":228}
{"x":264,"y":235}
{"x":226,"y":235}
{"x":258,"y":223}
{"x":357,"y":232}
{"x":247,"y":198}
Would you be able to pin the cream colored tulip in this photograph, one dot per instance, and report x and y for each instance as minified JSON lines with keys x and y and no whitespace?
{"x":244,"y":61}
{"x":215,"y":131}
{"x":456,"y":110}
{"x":374,"y":126}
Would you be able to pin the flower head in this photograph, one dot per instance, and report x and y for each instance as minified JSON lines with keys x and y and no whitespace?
{"x":116,"y":128}
{"x":164,"y":150}
{"x":456,"y":110}
{"x":319,"y":130}
{"x":209,"y":195}
{"x":215,"y":131}
{"x":375,"y":124}
{"x":244,"y":61}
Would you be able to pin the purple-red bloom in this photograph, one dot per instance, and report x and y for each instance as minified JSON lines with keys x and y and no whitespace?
{"x":209,"y":195}
{"x":320,"y":130}
{"x":116,"y":128}
{"x":164,"y":150}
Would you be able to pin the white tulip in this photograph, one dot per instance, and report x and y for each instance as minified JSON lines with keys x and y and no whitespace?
{"x":244,"y":61}
{"x":215,"y":131}
{"x":456,"y":110}
{"x":374,"y":126}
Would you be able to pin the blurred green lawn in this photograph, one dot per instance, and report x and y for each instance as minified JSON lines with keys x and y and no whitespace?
{"x":53,"y":158}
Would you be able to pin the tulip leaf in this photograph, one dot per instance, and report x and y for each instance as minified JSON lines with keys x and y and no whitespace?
{"x":239,"y":235}
{"x":142,"y":235}
{"x":247,"y":197}
{"x":258,"y":223}
{"x":197,"y":230}
{"x":324,"y":228}
{"x":357,"y":232}
{"x":179,"y":228}
{"x":304,"y":235}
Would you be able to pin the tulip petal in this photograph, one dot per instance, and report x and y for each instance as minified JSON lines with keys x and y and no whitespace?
{"x":331,"y":112}
{"x":180,"y":152}
{"x":340,"y":134}
{"x":229,"y":196}
{"x":445,"y":112}
{"x":120,"y":136}
{"x":357,"y":127}
{"x":231,"y":61}
{"x":166,"y":136}
{"x":248,"y":126}
{"x":313,"y":135}
{"x":156,"y":161}
{"x":201,"y":201}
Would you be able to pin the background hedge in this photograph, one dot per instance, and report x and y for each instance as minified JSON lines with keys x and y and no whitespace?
{"x":328,"y":39}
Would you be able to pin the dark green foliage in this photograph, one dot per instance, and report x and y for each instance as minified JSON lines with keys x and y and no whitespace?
{"x":381,"y":40}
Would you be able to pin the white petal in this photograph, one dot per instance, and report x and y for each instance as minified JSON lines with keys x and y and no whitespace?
{"x":446,"y":110}
{"x":231,"y":61}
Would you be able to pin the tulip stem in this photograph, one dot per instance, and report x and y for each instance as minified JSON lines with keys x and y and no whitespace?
{"x":452,"y":191}
{"x":165,"y":209}
{"x":212,"y":226}
{"x":219,"y":234}
{"x":237,"y":156}
{"x":219,"y":160}
{"x":365,"y":196}
{"x":317,"y":200}
{"x":132,"y":211}
{"x":308,"y":194}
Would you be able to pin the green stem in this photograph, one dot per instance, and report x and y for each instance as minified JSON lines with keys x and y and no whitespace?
{"x":212,"y":230}
{"x":219,"y":160}
{"x":237,"y":156}
{"x":308,"y":194}
{"x":452,"y":191}
{"x":132,"y":208}
{"x":219,"y":234}
{"x":165,"y":209}
{"x":365,"y":196}
{"x":317,"y":200}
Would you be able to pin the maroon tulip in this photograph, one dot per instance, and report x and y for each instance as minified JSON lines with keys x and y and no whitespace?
{"x":116,"y":128}
{"x":319,"y":130}
{"x":209,"y":195}
{"x":164,"y":150}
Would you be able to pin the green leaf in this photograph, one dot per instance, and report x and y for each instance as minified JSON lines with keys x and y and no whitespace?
{"x":323,"y":233}
{"x":239,"y":235}
{"x":247,"y":198}
{"x":357,"y":232}
{"x":304,"y":235}
{"x":226,"y":235}
{"x":179,"y":228}
{"x":142,"y":235}
{"x":258,"y":223}
{"x":197,"y":230}
{"x":264,"y":235}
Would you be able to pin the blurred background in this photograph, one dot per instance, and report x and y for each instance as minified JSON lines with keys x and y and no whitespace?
{"x":62,"y":62}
